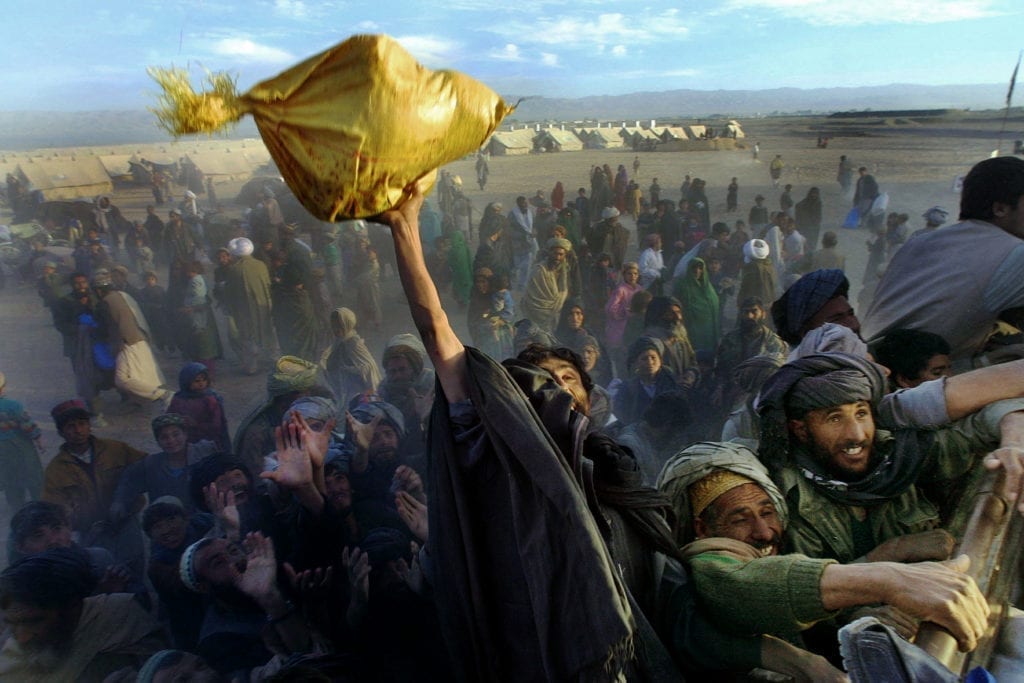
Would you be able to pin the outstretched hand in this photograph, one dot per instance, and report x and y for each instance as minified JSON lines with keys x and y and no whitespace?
{"x":414,"y":514}
{"x":222,"y":505}
{"x":362,"y":434}
{"x":408,"y":479}
{"x":258,"y":579}
{"x":294,"y":465}
{"x":1010,"y":459}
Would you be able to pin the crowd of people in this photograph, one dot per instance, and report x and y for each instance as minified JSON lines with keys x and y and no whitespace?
{"x":604,"y":479}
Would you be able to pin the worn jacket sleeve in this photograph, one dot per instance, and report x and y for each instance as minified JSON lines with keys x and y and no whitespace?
{"x":955,"y":447}
{"x":773,"y":595}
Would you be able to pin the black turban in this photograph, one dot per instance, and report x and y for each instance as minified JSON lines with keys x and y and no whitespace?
{"x":805,"y":298}
{"x":55,"y":578}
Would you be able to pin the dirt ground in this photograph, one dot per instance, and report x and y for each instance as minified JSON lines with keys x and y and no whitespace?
{"x":916,"y":165}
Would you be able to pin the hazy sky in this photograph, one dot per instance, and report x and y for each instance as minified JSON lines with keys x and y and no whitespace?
{"x":74,"y":55}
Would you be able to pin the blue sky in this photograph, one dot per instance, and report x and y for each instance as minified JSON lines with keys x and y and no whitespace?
{"x":73,"y":55}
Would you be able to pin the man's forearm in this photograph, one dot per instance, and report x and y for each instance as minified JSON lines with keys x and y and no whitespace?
{"x":852,"y":585}
{"x":971,"y":391}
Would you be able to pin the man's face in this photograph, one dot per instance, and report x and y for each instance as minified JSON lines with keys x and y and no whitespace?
{"x":43,"y":633}
{"x":482,"y":283}
{"x":173,"y":440}
{"x":568,"y":377}
{"x":836,"y":310}
{"x":556,"y":256}
{"x":745,"y":513}
{"x":521,"y":203}
{"x":236,"y":481}
{"x":220,"y":563}
{"x":223,"y":258}
{"x":575,"y":317}
{"x":169,"y":532}
{"x":673,"y":315}
{"x":384,"y":444}
{"x":939,"y":365}
{"x":44,"y":538}
{"x":77,"y":432}
{"x":590,"y":356}
{"x":840,"y":437}
{"x":339,"y":490}
{"x":751,"y":317}
{"x":398,"y":369}
{"x":80,"y":285}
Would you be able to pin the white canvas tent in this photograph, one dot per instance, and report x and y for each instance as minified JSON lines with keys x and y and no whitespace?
{"x":557,"y":140}
{"x":604,"y":138}
{"x":511,"y":142}
{"x":66,"y":178}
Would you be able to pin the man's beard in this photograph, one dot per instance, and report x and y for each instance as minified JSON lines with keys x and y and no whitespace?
{"x":383,"y":456}
{"x":675,"y":329}
{"x":825,"y":458}
{"x":748,"y":326}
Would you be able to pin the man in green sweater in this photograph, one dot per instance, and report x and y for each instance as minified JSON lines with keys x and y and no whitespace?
{"x":732,"y":520}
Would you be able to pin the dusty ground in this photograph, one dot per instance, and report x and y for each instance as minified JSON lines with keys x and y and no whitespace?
{"x":916,"y":164}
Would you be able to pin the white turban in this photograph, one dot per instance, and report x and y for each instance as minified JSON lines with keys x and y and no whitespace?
{"x":190,"y":194}
{"x":610,"y":212}
{"x":240,"y":246}
{"x":755,"y":249}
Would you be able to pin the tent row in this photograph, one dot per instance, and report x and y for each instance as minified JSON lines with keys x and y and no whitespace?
{"x":667,"y":138}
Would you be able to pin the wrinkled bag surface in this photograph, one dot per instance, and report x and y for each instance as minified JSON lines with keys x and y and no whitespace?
{"x":351,"y":127}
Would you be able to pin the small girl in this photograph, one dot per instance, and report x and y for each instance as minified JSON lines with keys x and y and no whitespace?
{"x":649,"y":378}
{"x":21,"y":446}
{"x":202,"y":405}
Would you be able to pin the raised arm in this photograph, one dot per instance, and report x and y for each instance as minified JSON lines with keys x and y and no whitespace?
{"x":444,"y":348}
{"x":971,"y":391}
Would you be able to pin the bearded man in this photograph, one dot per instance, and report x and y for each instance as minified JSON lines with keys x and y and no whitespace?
{"x":751,"y":337}
{"x":664,"y":321}
{"x":548,"y":287}
{"x":853,"y":489}
{"x":819,"y":297}
{"x":59,"y":633}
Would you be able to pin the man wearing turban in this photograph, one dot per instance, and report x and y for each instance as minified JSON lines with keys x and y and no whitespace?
{"x":247,"y":298}
{"x":816,"y":298}
{"x":853,"y":488}
{"x":548,"y":286}
{"x":59,"y":631}
{"x":731,"y":522}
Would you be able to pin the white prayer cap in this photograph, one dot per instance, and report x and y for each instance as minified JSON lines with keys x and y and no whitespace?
{"x":610,"y":212}
{"x":240,"y":246}
{"x":756,"y":249}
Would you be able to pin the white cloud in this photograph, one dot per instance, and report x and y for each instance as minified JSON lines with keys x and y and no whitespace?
{"x":247,"y":50}
{"x":367,"y":26}
{"x":619,"y":50}
{"x":509,"y":53}
{"x":431,"y":50}
{"x":295,"y":9}
{"x":597,"y":31}
{"x":548,"y":59}
{"x":831,"y":13}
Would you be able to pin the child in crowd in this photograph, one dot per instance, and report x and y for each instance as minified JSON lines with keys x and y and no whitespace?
{"x":204,"y":407}
{"x":21,"y":445}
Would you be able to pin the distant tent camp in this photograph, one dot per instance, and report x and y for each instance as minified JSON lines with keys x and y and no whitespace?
{"x":118,"y":166}
{"x":557,"y":140}
{"x":696,"y":132}
{"x":733,"y":130}
{"x":673,"y":133}
{"x":511,"y":142}
{"x":66,"y":178}
{"x":604,"y":138}
{"x":224,"y":165}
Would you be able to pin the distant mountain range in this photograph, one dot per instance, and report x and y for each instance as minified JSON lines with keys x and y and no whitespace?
{"x":20,"y":130}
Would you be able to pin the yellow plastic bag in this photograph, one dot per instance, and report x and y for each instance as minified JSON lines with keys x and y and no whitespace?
{"x":349,"y":128}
